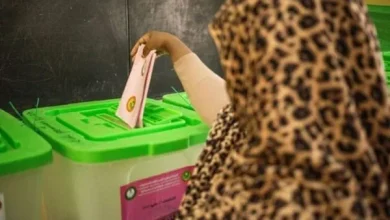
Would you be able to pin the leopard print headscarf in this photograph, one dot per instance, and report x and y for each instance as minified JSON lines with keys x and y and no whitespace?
{"x":308,"y":133}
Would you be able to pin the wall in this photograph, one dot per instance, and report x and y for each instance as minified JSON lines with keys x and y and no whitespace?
{"x":188,"y":20}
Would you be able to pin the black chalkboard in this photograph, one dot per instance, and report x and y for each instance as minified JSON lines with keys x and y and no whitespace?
{"x":67,"y":51}
{"x":62,"y":51}
{"x":188,"y":20}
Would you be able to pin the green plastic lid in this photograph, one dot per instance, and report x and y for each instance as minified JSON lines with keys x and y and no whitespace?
{"x":90,"y":132}
{"x":380,"y":16}
{"x":178,"y":99}
{"x":388,"y":85}
{"x":20,"y":147}
{"x":386,"y":59}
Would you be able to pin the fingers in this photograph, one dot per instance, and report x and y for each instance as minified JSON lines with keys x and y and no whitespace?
{"x":150,"y":44}
{"x":147,"y":47}
{"x":143,"y":40}
{"x":146,"y":50}
{"x":134,"y":50}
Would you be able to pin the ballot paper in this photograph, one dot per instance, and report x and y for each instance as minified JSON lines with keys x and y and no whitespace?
{"x":132,"y":104}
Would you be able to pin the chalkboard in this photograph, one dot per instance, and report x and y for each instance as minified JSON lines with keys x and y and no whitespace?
{"x":67,"y":51}
{"x":62,"y":51}
{"x":187,"y":19}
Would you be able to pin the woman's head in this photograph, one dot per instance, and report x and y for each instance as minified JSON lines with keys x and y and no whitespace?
{"x":307,"y":87}
{"x":274,"y":52}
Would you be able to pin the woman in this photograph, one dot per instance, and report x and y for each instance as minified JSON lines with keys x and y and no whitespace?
{"x":307,"y":133}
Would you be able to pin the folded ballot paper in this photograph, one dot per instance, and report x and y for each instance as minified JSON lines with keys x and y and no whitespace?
{"x":132,"y":104}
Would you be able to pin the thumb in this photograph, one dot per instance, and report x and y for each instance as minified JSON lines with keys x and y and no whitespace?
{"x":146,"y":51}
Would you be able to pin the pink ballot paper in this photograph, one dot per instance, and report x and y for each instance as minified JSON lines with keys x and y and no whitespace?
{"x":132,"y":104}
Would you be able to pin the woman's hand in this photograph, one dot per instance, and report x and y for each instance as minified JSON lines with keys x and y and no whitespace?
{"x":163,"y":43}
{"x":153,"y":40}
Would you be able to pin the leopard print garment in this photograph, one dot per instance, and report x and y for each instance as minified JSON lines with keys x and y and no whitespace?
{"x":308,"y":132}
